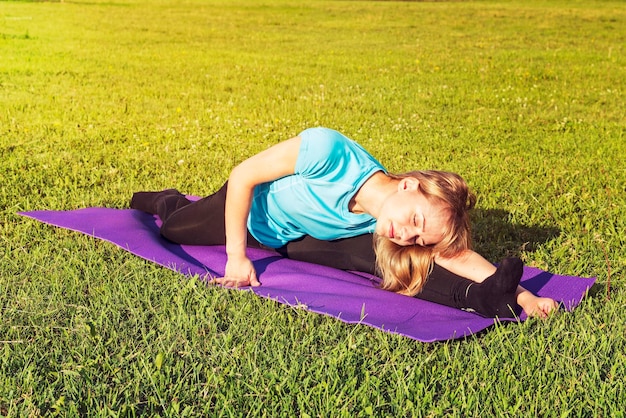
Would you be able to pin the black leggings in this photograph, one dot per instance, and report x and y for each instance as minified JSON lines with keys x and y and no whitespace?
{"x":198,"y":222}
{"x":202,"y":223}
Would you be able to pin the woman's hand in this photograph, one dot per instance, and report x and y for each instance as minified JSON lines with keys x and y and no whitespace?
{"x":240,"y":272}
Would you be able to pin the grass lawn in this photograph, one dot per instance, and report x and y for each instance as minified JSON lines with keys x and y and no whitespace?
{"x":102,"y":98}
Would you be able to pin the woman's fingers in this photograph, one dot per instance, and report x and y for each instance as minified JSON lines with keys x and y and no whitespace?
{"x":236,"y":282}
{"x":253,"y":280}
{"x":230,"y":282}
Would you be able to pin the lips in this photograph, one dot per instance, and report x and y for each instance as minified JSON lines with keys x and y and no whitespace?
{"x":391,"y":231}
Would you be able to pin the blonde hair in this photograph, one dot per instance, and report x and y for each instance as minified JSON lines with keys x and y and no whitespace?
{"x":404,"y":268}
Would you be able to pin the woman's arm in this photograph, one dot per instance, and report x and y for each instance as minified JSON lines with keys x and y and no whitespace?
{"x":271,"y":164}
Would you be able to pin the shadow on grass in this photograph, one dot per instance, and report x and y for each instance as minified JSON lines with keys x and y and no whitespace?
{"x":495,"y":237}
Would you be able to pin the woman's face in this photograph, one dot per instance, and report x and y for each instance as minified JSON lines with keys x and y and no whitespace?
{"x":408,"y":218}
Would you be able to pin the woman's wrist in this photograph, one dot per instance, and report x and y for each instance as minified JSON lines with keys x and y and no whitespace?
{"x":236,"y":253}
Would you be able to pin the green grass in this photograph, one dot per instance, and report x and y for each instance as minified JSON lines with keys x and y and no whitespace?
{"x":100,"y":99}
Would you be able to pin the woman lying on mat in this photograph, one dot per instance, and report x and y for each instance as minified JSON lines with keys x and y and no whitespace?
{"x":322,"y":184}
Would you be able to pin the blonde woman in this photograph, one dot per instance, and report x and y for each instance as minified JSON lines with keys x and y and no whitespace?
{"x":323,"y":185}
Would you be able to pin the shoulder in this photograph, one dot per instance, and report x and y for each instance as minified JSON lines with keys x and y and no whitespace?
{"x":321,"y":149}
{"x":324,"y":137}
{"x":325,"y":142}
{"x":324,"y":150}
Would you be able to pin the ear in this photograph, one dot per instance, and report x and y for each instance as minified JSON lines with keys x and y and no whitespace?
{"x":408,"y":184}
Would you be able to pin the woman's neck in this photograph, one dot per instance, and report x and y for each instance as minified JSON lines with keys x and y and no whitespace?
{"x":373,"y":193}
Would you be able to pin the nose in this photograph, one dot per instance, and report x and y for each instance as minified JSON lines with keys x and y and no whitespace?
{"x":409,"y":232}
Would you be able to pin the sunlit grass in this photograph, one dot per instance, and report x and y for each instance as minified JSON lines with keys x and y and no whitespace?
{"x":99,"y":99}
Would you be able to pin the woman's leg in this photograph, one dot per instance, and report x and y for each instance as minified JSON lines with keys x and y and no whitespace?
{"x":202,"y":223}
{"x":473,"y":266}
{"x":159,"y":203}
{"x":356,"y":253}
{"x":188,"y":222}
{"x":494,"y":297}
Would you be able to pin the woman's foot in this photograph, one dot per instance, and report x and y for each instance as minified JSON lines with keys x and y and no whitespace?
{"x":496,"y":296}
{"x":536,"y":306}
{"x":147,"y":201}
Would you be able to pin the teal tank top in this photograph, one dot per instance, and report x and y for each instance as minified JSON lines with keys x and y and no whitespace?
{"x":314,"y":201}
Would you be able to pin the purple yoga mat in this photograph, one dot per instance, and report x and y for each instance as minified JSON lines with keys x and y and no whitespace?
{"x":350,"y":297}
